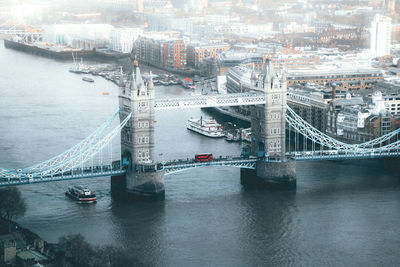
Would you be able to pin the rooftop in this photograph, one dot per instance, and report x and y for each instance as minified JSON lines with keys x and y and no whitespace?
{"x":31,"y":254}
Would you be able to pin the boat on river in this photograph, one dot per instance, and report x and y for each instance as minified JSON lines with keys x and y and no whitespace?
{"x":87,"y":79}
{"x":81,"y":194}
{"x":206,"y":127}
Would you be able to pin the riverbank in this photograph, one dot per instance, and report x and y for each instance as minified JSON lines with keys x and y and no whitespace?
{"x":21,"y":247}
{"x":64,"y":53}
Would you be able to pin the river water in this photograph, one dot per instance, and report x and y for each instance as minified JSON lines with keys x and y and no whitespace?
{"x":342,"y":213}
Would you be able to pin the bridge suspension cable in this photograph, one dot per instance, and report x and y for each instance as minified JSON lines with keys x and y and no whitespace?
{"x":317,"y":136}
{"x":83,"y":156}
{"x":313,"y":134}
{"x":75,"y":150}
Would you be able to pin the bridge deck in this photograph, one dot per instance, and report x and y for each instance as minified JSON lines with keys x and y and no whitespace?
{"x":175,"y":166}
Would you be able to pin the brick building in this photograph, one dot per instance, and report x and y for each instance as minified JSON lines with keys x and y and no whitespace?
{"x":197,"y":53}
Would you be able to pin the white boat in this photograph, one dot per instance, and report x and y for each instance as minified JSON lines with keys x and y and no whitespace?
{"x":246,"y":135}
{"x":81,"y":194}
{"x":87,"y":79}
{"x":207,"y":127}
{"x":78,"y":67}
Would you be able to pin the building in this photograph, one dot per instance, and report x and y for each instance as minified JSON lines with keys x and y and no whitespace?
{"x":354,"y":120}
{"x":122,"y":39}
{"x":389,"y":93}
{"x":139,"y":5}
{"x":293,"y":61}
{"x":240,"y":79}
{"x":8,"y":249}
{"x":345,"y":119}
{"x":323,"y":77}
{"x":197,"y":53}
{"x":381,"y":31}
{"x":310,"y":102}
{"x":391,"y":6}
{"x":66,"y":34}
{"x":161,"y":50}
{"x":340,"y":88}
{"x":174,"y":54}
{"x":231,"y":59}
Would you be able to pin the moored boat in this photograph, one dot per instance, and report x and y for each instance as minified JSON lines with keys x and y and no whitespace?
{"x":81,"y":194}
{"x":207,"y":127}
{"x":246,"y":135}
{"x":87,"y":79}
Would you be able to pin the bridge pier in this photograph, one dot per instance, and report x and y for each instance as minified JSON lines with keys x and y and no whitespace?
{"x":146,"y":183}
{"x":274,"y":175}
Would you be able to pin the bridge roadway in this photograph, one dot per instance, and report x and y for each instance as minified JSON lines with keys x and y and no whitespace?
{"x":77,"y":173}
{"x":179,"y":165}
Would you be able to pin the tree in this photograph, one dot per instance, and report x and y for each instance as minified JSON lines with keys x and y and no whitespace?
{"x":12,"y":205}
{"x":74,"y":250}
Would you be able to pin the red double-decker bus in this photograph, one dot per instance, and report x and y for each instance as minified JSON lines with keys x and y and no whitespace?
{"x":203,"y":157}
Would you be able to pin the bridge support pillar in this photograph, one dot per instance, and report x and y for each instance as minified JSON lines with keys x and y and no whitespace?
{"x":145,"y":184}
{"x":139,"y":185}
{"x":279,"y":175}
{"x":118,"y":185}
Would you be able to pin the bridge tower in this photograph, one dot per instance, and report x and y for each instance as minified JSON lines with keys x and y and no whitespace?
{"x":268,"y":126}
{"x":143,"y":178}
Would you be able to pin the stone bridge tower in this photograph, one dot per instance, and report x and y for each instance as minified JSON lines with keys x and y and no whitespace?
{"x":268,"y":128}
{"x":143,"y":178}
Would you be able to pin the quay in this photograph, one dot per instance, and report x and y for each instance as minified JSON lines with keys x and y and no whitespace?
{"x":63,"y":54}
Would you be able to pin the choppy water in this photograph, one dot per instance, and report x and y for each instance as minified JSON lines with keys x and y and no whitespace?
{"x":342,"y":213}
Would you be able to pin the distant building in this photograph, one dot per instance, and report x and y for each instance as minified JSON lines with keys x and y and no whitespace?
{"x":323,"y":77}
{"x":381,"y":31}
{"x":391,"y":6}
{"x":174,"y":53}
{"x":122,"y":39}
{"x":197,"y":53}
{"x":80,"y":35}
{"x":345,"y":119}
{"x":240,"y":79}
{"x":161,"y":50}
{"x":389,"y":93}
{"x":139,"y":5}
{"x":354,"y":120}
{"x":231,"y":59}
{"x":310,"y":102}
{"x":293,"y":61}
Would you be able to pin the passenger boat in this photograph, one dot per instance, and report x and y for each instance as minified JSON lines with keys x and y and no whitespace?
{"x":87,"y":79}
{"x":246,"y":135}
{"x":81,"y":194}
{"x":207,"y":127}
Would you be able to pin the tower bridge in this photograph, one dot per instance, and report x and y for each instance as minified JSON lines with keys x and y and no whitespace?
{"x":273,"y":153}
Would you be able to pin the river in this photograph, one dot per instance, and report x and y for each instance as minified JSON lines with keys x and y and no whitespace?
{"x":342,"y":214}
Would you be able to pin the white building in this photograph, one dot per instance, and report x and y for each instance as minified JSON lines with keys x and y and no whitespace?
{"x":381,"y":31}
{"x":67,"y":33}
{"x":122,"y":39}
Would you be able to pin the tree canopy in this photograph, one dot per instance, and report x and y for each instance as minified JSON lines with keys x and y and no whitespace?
{"x":75,"y":251}
{"x":12,"y":204}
